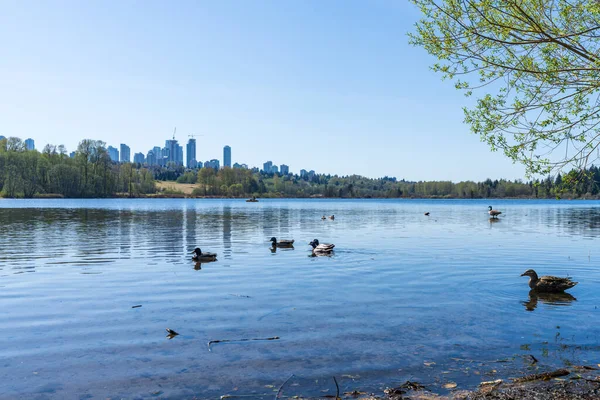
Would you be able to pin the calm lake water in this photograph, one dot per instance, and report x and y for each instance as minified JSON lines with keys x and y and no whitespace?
{"x":433,"y":299}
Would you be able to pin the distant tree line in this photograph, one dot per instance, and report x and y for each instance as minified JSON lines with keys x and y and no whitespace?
{"x":243,"y":182}
{"x":91,"y":173}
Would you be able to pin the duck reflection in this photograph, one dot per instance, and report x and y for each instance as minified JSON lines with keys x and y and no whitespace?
{"x":274,"y":249}
{"x":555,"y":299}
{"x":494,"y":220}
{"x":198,"y":264}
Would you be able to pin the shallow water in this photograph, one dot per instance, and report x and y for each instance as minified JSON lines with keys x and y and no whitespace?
{"x":405,"y":296}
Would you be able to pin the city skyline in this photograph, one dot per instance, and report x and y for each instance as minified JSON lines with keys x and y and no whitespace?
{"x":337,"y":90}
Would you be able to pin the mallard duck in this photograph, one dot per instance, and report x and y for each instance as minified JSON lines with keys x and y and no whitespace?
{"x":282,"y":243}
{"x":200,"y":256}
{"x":548,"y":283}
{"x":494,"y":213}
{"x":332,"y":217}
{"x":323,"y":248}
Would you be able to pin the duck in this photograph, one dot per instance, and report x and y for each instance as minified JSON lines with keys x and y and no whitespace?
{"x":548,"y":284}
{"x":282,"y":243}
{"x":332,"y":217}
{"x":323,"y":218}
{"x":322,"y":248}
{"x":427,"y":214}
{"x":200,"y":256}
{"x":494,"y":213}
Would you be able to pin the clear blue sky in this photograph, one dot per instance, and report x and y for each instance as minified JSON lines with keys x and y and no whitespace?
{"x":326,"y":85}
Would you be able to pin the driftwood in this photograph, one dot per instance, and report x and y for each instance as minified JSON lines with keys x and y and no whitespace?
{"x":543,"y":376}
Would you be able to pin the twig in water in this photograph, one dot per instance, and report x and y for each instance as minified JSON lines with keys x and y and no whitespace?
{"x":337,"y":389}
{"x":282,"y":385}
{"x":535,"y":360}
{"x":239,"y":340}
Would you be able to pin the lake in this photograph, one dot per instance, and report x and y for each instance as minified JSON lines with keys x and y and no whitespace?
{"x":435,"y":299}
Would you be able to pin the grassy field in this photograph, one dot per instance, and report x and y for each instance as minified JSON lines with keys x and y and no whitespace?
{"x":185,"y":188}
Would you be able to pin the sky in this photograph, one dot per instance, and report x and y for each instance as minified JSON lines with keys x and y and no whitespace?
{"x":331,"y":86}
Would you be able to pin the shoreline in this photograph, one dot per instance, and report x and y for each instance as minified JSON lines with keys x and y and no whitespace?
{"x":184,"y":196}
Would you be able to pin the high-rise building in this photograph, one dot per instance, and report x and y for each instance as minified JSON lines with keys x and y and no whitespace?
{"x":2,"y":137}
{"x":113,"y":153}
{"x":227,"y":156}
{"x":274,"y":169}
{"x":138,"y":158}
{"x":164,"y":157}
{"x":303,"y":173}
{"x":30,"y":144}
{"x":125,"y":153}
{"x":190,"y":153}
{"x":150,"y":158}
{"x":267,"y":166}
{"x":284,"y":169}
{"x":174,"y":152}
{"x":72,"y":154}
{"x":212,"y":164}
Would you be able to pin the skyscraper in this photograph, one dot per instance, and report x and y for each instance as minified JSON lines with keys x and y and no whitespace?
{"x":125,"y":153}
{"x":138,"y":158}
{"x":227,"y":156}
{"x":30,"y":144}
{"x":190,"y":153}
{"x":268,"y":166}
{"x":150,"y":158}
{"x":174,"y":152}
{"x":284,"y":169}
{"x":113,"y":153}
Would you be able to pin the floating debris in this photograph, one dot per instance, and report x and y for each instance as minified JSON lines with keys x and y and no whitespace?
{"x":138,"y":306}
{"x":171,"y":333}
{"x":449,"y":385}
{"x":237,"y":340}
{"x":487,"y":383}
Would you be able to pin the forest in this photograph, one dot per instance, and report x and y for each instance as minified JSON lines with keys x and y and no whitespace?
{"x":52,"y":173}
{"x":91,"y":174}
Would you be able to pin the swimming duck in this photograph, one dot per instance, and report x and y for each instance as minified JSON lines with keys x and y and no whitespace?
{"x":494,"y":213}
{"x":200,"y":256}
{"x":323,"y":217}
{"x":322,"y":248}
{"x":332,"y":217}
{"x":548,"y":283}
{"x":427,"y":213}
{"x":282,"y":243}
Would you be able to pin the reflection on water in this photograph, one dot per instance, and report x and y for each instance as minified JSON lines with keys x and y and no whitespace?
{"x":401,"y":290}
{"x":553,"y":299}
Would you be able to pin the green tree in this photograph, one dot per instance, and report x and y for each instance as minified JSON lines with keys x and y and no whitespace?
{"x":536,"y":66}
